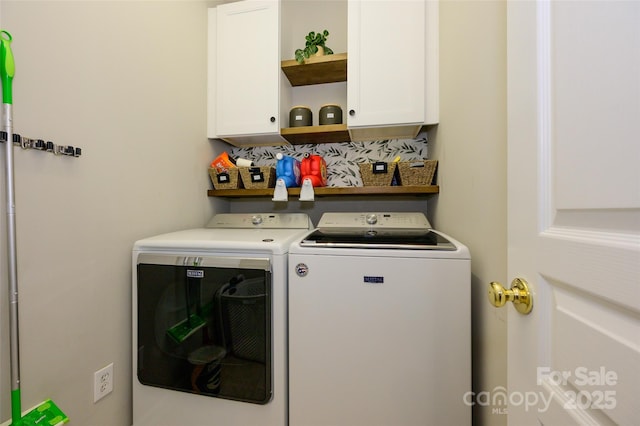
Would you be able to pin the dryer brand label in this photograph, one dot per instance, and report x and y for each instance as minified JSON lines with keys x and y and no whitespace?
{"x":373,"y":280}
{"x":302,"y":270}
{"x":195,"y":273}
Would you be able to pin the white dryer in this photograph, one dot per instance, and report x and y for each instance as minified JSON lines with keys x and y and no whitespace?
{"x":379,"y":323}
{"x":209,"y":322}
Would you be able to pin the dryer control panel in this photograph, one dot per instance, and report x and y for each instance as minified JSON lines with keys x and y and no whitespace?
{"x":260,"y":220}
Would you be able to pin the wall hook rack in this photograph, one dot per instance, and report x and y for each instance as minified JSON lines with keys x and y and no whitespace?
{"x":41,"y":145}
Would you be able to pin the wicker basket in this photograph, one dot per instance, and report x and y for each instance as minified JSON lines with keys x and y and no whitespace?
{"x":258,"y":177}
{"x":225,"y":180}
{"x":377,"y":174}
{"x":417,"y":172}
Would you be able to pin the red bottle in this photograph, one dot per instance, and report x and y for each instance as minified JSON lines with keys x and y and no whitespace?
{"x":313,"y":167}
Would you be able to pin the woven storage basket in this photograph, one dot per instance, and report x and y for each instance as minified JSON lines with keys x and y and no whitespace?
{"x":258,"y":177}
{"x":369,"y":178}
{"x":226,"y":180}
{"x":417,"y":172}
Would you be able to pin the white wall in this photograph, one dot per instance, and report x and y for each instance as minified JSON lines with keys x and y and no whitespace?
{"x":126,"y":82}
{"x":470,"y":143}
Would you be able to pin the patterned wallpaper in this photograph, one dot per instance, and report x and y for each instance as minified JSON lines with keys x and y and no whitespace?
{"x":342,"y":158}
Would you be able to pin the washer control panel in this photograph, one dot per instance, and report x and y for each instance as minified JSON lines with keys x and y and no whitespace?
{"x":399,"y":220}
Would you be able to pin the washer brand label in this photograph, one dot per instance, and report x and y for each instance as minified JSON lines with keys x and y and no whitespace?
{"x":373,"y":280}
{"x":195,"y":273}
{"x":302,"y":270}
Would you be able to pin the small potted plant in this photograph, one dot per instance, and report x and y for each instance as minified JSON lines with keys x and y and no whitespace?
{"x":314,"y":45}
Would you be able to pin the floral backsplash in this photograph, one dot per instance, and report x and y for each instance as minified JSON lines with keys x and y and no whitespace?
{"x":342,"y":158}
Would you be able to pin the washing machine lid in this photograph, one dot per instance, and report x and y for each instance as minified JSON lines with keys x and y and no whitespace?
{"x":376,"y":230}
{"x":375,"y":238}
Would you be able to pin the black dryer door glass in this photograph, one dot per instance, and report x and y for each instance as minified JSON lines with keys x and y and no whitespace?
{"x":205,"y":329}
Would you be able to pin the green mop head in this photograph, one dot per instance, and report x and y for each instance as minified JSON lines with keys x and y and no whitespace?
{"x":45,"y":414}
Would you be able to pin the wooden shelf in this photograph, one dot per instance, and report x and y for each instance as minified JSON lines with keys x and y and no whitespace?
{"x":316,"y":70}
{"x":329,"y":133}
{"x":330,"y":191}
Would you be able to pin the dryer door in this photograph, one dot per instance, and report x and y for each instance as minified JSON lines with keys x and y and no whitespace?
{"x":204,"y":325}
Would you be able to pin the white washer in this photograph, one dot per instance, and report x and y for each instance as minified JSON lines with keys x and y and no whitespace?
{"x":209,"y":322}
{"x":379,"y":323}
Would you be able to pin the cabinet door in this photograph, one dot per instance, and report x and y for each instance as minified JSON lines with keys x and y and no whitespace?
{"x":247,"y":68}
{"x":386,"y":69}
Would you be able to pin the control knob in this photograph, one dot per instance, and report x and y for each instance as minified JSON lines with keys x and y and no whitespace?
{"x":371,"y":219}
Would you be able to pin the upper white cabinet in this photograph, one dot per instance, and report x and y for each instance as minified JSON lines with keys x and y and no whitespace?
{"x":244,"y":76}
{"x":392,"y":82}
{"x":390,"y":88}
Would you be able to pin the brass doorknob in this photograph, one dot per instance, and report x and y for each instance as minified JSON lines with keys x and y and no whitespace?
{"x":519,"y":294}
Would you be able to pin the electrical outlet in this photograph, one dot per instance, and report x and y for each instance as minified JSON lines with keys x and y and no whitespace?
{"x":102,"y":382}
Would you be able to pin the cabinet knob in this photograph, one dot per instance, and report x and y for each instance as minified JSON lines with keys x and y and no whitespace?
{"x":272,"y":119}
{"x":352,"y":112}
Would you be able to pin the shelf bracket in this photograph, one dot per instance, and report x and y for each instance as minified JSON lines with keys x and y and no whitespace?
{"x":280,"y":191}
{"x":306,"y":191}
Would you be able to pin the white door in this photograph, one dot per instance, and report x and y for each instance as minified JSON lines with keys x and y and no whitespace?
{"x":248,"y":68}
{"x":574,"y":211}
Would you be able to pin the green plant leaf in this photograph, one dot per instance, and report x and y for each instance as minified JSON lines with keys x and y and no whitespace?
{"x":312,"y":41}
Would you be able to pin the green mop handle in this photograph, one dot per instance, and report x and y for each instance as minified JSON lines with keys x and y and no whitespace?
{"x":7,"y":67}
{"x":7,"y":71}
